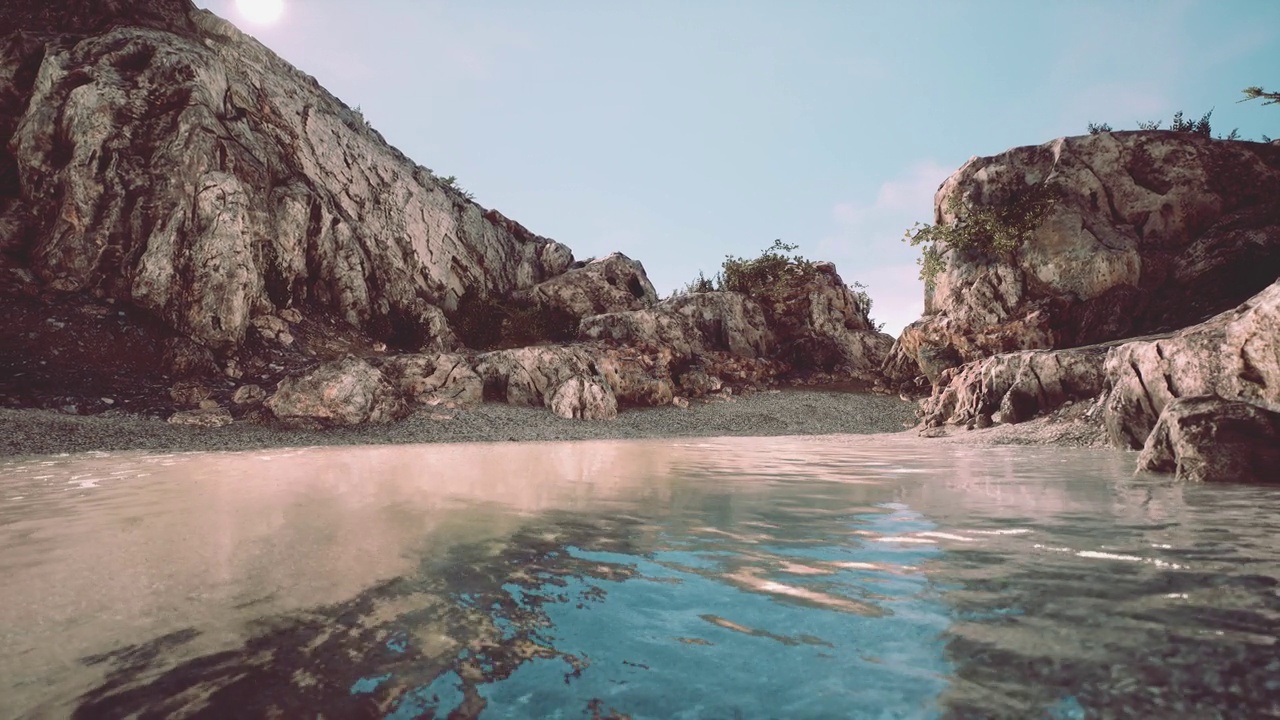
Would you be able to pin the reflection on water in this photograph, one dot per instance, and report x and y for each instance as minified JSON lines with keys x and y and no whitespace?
{"x":778,"y":577}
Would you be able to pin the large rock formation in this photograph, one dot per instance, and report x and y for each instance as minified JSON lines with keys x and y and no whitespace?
{"x":1235,"y":356}
{"x":1209,"y":439}
{"x":1149,"y":231}
{"x":247,"y":229}
{"x":160,"y":157}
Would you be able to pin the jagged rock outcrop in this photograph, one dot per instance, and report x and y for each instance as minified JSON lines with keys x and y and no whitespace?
{"x":345,"y":392}
{"x":435,"y":379}
{"x":654,"y":327}
{"x":727,"y":321}
{"x":1014,"y":387}
{"x":820,"y":324}
{"x":584,"y":398}
{"x":1234,"y":356}
{"x":1149,"y":231}
{"x":531,"y":375}
{"x":1209,"y":439}
{"x":158,"y":156}
{"x":612,"y":283}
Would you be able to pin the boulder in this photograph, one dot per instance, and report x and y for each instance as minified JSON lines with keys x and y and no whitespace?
{"x":204,"y":417}
{"x":585,"y":398}
{"x":1014,"y":387}
{"x":614,"y":283}
{"x":1148,"y":232}
{"x":344,"y":392}
{"x":162,"y":158}
{"x":1234,"y":356}
{"x":528,"y":376}
{"x":435,"y":379}
{"x":248,"y":395}
{"x":1206,"y":438}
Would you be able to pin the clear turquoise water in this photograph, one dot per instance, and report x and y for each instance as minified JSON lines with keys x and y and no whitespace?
{"x":738,"y":578}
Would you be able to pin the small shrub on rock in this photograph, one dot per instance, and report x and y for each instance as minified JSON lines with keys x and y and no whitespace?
{"x":998,"y":228}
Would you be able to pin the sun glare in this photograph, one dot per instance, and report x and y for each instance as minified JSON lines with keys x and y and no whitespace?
{"x":261,"y":12}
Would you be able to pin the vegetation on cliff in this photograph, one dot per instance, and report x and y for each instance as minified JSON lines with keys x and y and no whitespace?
{"x":771,"y":277}
{"x":995,"y":228}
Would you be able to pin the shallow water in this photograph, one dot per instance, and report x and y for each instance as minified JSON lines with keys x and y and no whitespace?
{"x":854,"y":577}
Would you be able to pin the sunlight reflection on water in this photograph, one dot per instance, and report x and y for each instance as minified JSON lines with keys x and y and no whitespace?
{"x":744,"y":577}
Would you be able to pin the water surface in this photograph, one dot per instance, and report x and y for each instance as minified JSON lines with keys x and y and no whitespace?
{"x":855,"y":577}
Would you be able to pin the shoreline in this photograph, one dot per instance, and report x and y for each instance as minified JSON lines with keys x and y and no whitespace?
{"x":799,"y":411}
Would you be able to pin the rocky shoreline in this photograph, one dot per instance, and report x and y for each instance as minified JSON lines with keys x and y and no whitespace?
{"x":770,"y":413}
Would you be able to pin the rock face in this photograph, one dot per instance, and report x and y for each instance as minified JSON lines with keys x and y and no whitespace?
{"x":1014,"y":387}
{"x":1150,"y":231}
{"x":609,"y":284}
{"x":821,"y":324}
{"x":584,"y":398}
{"x":727,"y":321}
{"x":345,"y":392}
{"x":1235,"y":356}
{"x":159,"y":157}
{"x":1210,"y":439}
{"x":435,"y":379}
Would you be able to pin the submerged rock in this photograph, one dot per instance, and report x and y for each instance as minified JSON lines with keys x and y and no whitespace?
{"x":1209,"y":439}
{"x":345,"y":392}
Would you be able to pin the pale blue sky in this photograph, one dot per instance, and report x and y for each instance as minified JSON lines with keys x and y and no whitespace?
{"x":678,"y":132}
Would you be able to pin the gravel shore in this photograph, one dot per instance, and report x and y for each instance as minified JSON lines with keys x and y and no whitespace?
{"x":787,"y":412}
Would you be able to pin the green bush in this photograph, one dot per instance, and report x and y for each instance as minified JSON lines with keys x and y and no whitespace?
{"x":770,"y":278}
{"x":998,"y":229}
{"x":494,"y":323}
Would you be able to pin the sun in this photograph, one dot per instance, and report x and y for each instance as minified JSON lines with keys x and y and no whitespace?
{"x":261,"y":12}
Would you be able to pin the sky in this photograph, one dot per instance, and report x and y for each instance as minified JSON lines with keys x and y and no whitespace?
{"x":682,"y":131}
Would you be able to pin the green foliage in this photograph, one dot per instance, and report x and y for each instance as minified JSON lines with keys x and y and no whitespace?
{"x":770,"y":278}
{"x":1149,"y":125}
{"x":493,"y":323}
{"x":452,"y":183}
{"x":998,"y":228}
{"x":1199,"y":127}
{"x":1255,"y":93}
{"x":1097,"y":128}
{"x":701,"y":284}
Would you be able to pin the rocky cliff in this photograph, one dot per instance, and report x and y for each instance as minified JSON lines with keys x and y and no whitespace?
{"x":187,"y":221}
{"x":1146,"y":232}
{"x":1149,"y":232}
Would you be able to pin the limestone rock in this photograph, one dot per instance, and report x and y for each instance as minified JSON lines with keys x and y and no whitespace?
{"x":697,"y":382}
{"x":1150,"y":231}
{"x":343,"y":392}
{"x":614,"y":283}
{"x":528,"y":376}
{"x":651,"y":327}
{"x":204,"y":417}
{"x":726,"y":321}
{"x":435,"y":379}
{"x":822,"y":325}
{"x":186,"y":358}
{"x":585,"y":398}
{"x":248,"y":395}
{"x":164,"y":159}
{"x":1234,"y":355}
{"x":1209,"y":439}
{"x":189,"y":393}
{"x":1014,"y":387}
{"x":637,"y":379}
